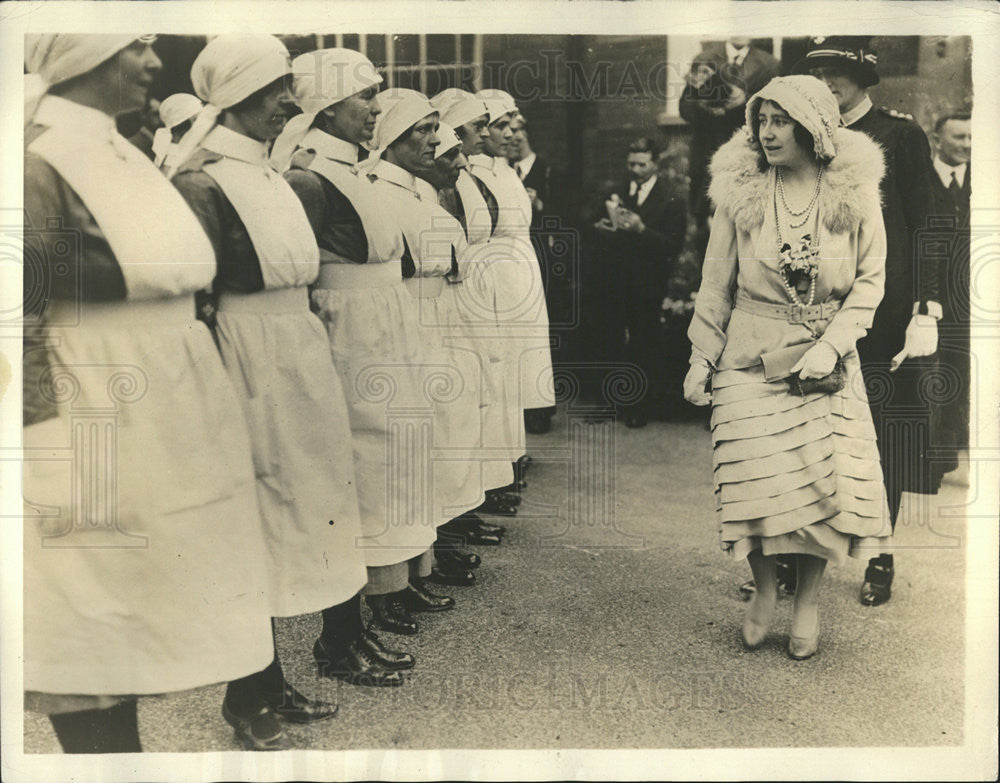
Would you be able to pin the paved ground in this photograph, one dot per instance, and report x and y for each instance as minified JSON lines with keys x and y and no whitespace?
{"x":601,"y":624}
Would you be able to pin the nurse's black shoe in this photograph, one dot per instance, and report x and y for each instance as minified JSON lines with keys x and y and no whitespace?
{"x":417,"y":598}
{"x":496,"y":505}
{"x":451,"y":578}
{"x":450,"y":558}
{"x":354,"y":664}
{"x":396,"y":660}
{"x":260,"y":730}
{"x":482,"y":526}
{"x":389,"y":614}
{"x":470,"y":521}
{"x":292,"y":706}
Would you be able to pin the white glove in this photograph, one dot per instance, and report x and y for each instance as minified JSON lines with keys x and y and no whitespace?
{"x":696,"y":382}
{"x":921,"y":340}
{"x":817,"y":362}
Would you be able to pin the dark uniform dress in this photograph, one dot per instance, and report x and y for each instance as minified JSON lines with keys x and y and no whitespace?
{"x":951,"y":214}
{"x":902,"y":402}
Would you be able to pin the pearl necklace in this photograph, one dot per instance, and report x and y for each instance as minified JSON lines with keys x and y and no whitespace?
{"x":805,"y":213}
{"x":793,"y":295}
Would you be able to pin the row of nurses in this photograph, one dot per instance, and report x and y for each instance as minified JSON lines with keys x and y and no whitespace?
{"x":365,"y":431}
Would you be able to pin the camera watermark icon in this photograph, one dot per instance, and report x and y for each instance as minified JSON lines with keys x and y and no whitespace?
{"x":49,"y":257}
{"x":71,"y":469}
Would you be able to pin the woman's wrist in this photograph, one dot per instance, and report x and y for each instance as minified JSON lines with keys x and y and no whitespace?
{"x":699,"y":359}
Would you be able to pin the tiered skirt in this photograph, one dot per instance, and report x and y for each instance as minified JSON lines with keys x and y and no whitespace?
{"x":797,"y":474}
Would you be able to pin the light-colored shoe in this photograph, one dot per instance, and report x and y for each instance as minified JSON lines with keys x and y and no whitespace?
{"x":802,"y":647}
{"x":754,"y":631}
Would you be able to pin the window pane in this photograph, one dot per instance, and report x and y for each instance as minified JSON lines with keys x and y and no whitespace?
{"x":468,"y":45}
{"x":439,"y":79}
{"x":406,"y":78}
{"x":440,"y":48}
{"x":376,"y":48}
{"x":407,"y":49}
{"x":467,"y":78}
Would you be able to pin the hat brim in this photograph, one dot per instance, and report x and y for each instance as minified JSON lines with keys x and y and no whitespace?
{"x":866,"y":74}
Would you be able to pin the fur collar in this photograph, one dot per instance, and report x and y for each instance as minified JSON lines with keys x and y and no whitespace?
{"x":850,"y":182}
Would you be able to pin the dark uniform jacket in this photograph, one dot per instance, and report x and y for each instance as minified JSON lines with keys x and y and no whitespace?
{"x":907,"y":201}
{"x":903,"y":403}
{"x":238,"y":266}
{"x":951,"y":213}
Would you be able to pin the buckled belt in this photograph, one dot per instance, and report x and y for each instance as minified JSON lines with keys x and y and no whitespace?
{"x":793,"y":313}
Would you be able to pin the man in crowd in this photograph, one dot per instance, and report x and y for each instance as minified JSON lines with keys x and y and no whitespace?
{"x":952,"y":139}
{"x":721,"y":78}
{"x":903,"y":339}
{"x":639,"y":240}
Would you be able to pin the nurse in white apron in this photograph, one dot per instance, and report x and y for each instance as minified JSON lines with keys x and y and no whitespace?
{"x":371,"y":322}
{"x":408,"y":137}
{"x":519,"y":289}
{"x":275,"y":350}
{"x":503,"y":429}
{"x":137,"y":477}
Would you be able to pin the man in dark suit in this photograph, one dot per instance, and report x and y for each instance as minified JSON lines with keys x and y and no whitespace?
{"x":544,"y":189}
{"x":952,"y":179}
{"x":639,"y":242}
{"x":721,"y":79}
{"x":899,"y":351}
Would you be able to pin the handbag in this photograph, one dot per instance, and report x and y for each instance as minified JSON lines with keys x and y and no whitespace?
{"x":778,"y":367}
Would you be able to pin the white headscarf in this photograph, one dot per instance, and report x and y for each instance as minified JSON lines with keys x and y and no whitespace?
{"x":51,"y":58}
{"x":809,"y":102}
{"x":498,"y":102}
{"x":179,"y":107}
{"x":458,"y":107}
{"x":229,"y":69}
{"x":322,"y":78}
{"x":401,"y":109}
{"x":449,"y":139}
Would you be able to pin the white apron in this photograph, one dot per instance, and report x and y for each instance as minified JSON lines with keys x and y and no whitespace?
{"x":371,"y":324}
{"x":503,"y":422}
{"x":276,"y":352}
{"x":451,"y":359}
{"x":520,"y":295}
{"x":143,"y":546}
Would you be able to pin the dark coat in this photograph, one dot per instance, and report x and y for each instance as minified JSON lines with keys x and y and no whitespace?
{"x":953,"y":280}
{"x":907,"y":202}
{"x":904,"y":403}
{"x":644,"y":262}
{"x":954,"y":328}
